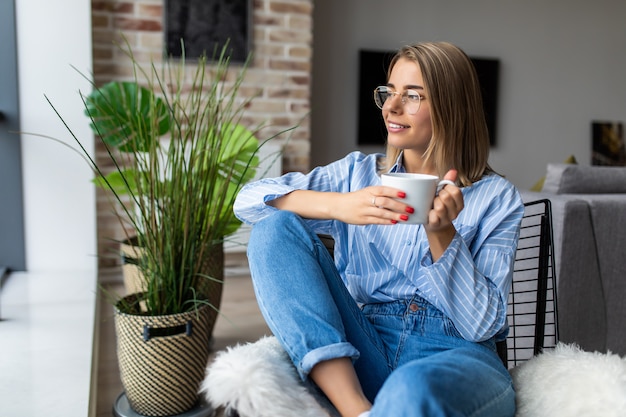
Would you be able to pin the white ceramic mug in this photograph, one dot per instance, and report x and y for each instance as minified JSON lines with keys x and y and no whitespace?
{"x":420,"y":190}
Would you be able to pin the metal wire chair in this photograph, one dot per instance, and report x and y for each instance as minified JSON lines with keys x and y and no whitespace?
{"x":532,"y":308}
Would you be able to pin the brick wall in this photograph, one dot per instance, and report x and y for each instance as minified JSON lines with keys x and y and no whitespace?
{"x":281,"y":70}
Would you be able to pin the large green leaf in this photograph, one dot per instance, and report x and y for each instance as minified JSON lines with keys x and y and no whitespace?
{"x":238,"y":158}
{"x":122,"y":181}
{"x":127,"y":116}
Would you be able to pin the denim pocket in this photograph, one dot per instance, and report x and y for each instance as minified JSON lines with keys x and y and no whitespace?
{"x":449,"y":329}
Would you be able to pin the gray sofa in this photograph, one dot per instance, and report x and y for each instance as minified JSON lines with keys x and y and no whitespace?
{"x":589,"y":221}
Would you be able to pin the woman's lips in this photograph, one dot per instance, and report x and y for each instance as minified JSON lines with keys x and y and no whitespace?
{"x":395,"y":127}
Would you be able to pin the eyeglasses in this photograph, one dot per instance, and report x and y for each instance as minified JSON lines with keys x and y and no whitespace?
{"x":411,"y":99}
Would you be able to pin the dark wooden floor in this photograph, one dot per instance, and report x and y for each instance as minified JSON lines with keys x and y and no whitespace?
{"x":240,"y":321}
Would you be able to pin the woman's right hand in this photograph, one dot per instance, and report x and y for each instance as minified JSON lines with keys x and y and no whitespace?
{"x":372,"y":205}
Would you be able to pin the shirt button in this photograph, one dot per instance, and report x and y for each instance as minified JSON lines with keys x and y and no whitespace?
{"x":408,"y":242}
{"x":414,"y":307}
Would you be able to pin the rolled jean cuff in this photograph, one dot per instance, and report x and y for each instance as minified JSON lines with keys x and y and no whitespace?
{"x":334,"y":351}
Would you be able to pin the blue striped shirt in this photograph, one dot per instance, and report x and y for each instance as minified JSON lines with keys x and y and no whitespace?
{"x":469,"y":283}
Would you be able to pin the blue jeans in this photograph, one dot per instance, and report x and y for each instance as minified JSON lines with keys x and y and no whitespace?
{"x":409,"y":357}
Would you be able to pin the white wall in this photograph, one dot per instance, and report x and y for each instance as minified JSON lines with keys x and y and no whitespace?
{"x":562,"y":66}
{"x":59,"y":199}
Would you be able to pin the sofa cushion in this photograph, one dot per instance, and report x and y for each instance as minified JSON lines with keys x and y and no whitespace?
{"x":538,"y":186}
{"x":580,"y":179}
{"x":607,"y":215}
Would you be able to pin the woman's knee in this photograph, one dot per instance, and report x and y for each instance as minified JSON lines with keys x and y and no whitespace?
{"x":435,"y":389}
{"x":273,"y":230}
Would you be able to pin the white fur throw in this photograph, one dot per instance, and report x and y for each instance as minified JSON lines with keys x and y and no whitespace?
{"x":568,"y":382}
{"x":259,"y":380}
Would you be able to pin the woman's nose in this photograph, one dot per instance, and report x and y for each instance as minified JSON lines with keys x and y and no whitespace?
{"x":394,"y":103}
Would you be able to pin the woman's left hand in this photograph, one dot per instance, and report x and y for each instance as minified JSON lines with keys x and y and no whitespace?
{"x":446,"y":206}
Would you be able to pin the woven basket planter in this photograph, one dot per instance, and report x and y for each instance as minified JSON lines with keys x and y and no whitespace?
{"x":162,"y":359}
{"x":213,"y":266}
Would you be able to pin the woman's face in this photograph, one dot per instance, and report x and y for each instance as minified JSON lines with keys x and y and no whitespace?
{"x":407,"y":131}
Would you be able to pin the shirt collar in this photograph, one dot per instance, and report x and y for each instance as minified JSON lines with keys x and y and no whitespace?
{"x":398,"y":166}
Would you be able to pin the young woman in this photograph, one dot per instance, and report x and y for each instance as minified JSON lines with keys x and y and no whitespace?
{"x":404,"y":319}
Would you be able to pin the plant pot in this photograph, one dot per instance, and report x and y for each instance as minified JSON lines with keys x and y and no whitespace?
{"x":213,"y":266}
{"x":162,"y":359}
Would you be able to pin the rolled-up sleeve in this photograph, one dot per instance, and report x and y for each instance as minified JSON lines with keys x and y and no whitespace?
{"x":250,"y":205}
{"x":251,"y":202}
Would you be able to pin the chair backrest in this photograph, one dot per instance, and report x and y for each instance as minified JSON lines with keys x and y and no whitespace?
{"x":532,"y":308}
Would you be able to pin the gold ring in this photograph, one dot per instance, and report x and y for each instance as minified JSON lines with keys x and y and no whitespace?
{"x":374,"y":201}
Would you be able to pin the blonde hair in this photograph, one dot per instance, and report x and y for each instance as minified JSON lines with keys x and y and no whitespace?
{"x":460,"y":138}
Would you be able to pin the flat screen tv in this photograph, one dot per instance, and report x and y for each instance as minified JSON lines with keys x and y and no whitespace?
{"x":373,"y":72}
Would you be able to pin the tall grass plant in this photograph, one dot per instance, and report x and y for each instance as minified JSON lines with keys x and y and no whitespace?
{"x":180,"y":154}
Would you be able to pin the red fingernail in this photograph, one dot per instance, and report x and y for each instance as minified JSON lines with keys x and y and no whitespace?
{"x":410,"y":210}
{"x":394,"y":221}
{"x":401,"y":194}
{"x":404,"y":217}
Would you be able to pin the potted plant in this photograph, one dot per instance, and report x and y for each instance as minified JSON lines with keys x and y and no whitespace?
{"x":132,"y":120}
{"x":180,"y":154}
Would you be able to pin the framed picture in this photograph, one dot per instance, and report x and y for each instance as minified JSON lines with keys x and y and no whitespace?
{"x":608,"y":144}
{"x":206,"y":25}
